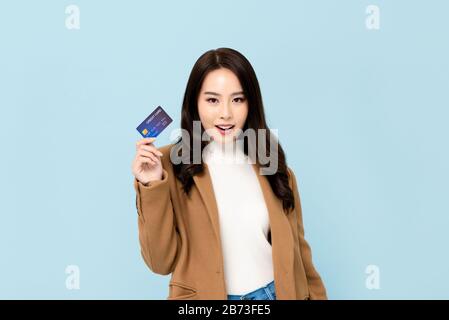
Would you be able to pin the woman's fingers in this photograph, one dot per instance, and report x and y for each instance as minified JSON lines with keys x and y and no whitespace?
{"x":144,"y":159}
{"x":151,"y":149}
{"x":144,"y":141}
{"x":148,"y":154}
{"x":147,"y":144}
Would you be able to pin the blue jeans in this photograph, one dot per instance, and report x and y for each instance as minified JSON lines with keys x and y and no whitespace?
{"x":263,"y":293}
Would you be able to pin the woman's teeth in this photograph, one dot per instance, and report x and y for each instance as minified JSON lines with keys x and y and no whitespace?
{"x":224,"y":129}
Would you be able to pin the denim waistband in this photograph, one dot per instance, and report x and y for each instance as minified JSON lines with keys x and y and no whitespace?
{"x":268,"y":290}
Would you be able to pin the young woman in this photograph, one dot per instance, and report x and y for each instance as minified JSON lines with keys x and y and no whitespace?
{"x":221,"y":227}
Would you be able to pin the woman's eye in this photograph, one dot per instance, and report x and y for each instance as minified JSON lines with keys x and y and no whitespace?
{"x":212,"y":100}
{"x":239,"y":100}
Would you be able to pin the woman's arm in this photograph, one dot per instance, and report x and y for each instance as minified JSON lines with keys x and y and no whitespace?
{"x":159,"y":239}
{"x":316,"y":286}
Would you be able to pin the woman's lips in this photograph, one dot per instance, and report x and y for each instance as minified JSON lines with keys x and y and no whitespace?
{"x":224,"y":132}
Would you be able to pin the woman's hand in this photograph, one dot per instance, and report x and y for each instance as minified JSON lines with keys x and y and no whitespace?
{"x":147,"y":164}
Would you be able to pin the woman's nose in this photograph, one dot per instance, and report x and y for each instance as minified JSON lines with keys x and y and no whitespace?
{"x":225,"y":112}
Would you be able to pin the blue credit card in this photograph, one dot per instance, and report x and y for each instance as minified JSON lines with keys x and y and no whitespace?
{"x":155,"y":123}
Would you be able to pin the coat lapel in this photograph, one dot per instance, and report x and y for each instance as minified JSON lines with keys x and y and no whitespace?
{"x":204,"y":184}
{"x":281,"y":239}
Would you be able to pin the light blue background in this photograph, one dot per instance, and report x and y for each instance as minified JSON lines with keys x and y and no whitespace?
{"x":361,"y":114}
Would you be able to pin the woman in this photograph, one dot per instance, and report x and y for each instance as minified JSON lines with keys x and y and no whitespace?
{"x":221,"y":227}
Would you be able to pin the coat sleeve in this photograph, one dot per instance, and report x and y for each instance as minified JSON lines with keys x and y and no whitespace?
{"x":158,"y":235}
{"x":315,"y":284}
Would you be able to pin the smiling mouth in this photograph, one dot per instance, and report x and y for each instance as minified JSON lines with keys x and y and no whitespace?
{"x":224,"y":129}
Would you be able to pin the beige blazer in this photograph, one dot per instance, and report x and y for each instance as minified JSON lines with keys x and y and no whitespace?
{"x":180,"y":234}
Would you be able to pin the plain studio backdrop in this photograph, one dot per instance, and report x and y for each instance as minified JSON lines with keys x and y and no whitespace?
{"x":358,"y":91}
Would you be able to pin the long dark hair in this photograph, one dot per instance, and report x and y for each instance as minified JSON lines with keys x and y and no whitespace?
{"x":241,"y":67}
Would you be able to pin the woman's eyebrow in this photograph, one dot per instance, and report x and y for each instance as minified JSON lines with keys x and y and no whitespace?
{"x":212,"y":93}
{"x":217,"y":94}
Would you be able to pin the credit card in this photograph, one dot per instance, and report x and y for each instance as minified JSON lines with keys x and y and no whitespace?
{"x":155,"y":123}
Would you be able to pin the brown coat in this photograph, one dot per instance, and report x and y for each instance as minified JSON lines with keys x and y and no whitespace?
{"x":179,"y":234}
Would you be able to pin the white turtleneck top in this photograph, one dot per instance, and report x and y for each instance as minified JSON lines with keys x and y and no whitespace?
{"x":243,"y":217}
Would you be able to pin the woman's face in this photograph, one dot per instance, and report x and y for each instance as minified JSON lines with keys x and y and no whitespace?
{"x":222,"y":105}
